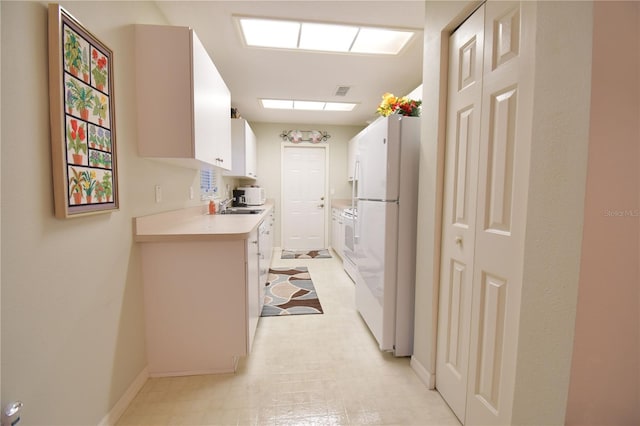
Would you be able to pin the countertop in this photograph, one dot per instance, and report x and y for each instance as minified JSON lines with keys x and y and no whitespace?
{"x":195,"y":224}
{"x":341,"y":203}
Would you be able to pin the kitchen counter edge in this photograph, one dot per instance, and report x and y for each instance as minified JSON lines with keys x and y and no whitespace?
{"x":194,"y":224}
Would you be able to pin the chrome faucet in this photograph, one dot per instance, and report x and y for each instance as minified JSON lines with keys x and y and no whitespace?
{"x":223,"y":205}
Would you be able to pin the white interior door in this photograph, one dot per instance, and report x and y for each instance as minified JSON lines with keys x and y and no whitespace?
{"x":466,"y":47}
{"x":482,"y":255}
{"x":303,"y":198}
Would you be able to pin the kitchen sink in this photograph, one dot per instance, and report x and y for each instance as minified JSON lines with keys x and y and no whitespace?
{"x":242,"y":211}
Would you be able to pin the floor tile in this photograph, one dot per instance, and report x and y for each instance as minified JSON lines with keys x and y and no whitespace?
{"x":303,"y":370}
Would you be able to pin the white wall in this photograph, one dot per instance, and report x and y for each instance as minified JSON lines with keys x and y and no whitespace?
{"x":269,"y":161}
{"x":72,"y":302}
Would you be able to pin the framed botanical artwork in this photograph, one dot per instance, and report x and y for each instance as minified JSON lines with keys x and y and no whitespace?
{"x":83,"y":136}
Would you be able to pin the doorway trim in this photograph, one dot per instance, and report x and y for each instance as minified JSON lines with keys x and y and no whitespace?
{"x":327,"y":209}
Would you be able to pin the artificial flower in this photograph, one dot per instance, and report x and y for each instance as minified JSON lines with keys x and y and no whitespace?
{"x":403,"y":106}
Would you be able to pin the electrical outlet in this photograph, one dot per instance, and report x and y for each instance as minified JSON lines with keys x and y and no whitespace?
{"x":191,"y":193}
{"x":158,"y":194}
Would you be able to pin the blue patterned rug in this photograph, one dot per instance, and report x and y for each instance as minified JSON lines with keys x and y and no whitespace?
{"x":290,"y":291}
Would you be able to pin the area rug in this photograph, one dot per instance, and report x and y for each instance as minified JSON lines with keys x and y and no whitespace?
{"x":305,"y":254}
{"x":290,"y":291}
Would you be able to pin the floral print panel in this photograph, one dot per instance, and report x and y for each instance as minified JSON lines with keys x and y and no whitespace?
{"x":88,"y":129}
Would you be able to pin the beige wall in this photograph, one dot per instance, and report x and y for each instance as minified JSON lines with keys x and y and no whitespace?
{"x":72,"y":310}
{"x":270,"y":157}
{"x":605,"y":381}
{"x":554,"y":210}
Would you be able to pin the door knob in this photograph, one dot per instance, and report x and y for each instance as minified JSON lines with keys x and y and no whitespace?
{"x":321,"y":198}
{"x":459,"y":240}
{"x":321,"y":206}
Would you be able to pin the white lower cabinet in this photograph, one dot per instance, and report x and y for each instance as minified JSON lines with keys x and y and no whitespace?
{"x":337,"y":232}
{"x":265,"y":244}
{"x":202,"y":304}
{"x":254,"y":303}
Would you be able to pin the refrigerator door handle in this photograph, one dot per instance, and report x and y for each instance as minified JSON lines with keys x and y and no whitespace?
{"x":354,"y":193}
{"x":354,"y":187}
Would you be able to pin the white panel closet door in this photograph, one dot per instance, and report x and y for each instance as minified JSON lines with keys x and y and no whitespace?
{"x":484,"y":210}
{"x":503,"y":176}
{"x":459,"y":210}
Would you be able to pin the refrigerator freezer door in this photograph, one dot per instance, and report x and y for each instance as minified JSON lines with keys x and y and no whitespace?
{"x":376,"y":261}
{"x":379,"y":160}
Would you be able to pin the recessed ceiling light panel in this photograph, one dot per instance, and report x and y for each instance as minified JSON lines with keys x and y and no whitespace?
{"x":381,"y":41}
{"x":277,"y":104}
{"x":325,"y":37}
{"x":270,"y":33}
{"x":339,"y":106}
{"x":306,"y":105}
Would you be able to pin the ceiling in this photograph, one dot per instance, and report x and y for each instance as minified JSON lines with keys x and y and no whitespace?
{"x":254,"y":73}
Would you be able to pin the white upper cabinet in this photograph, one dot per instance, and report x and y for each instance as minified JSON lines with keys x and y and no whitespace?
{"x":244,"y":150}
{"x":183,"y":102}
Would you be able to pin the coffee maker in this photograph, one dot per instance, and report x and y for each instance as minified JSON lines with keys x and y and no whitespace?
{"x":238,"y":198}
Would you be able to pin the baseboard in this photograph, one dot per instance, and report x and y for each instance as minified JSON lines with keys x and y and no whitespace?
{"x":428,"y":378}
{"x":119,"y":408}
{"x":183,"y":373}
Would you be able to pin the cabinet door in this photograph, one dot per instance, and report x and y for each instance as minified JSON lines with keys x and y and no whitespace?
{"x":243,"y":153}
{"x":251,"y":152}
{"x":253,"y":286}
{"x":340,"y":242}
{"x":334,"y":230}
{"x":211,"y":106}
{"x":163,"y":91}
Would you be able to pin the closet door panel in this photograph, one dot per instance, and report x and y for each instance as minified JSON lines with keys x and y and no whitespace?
{"x":503,"y":175}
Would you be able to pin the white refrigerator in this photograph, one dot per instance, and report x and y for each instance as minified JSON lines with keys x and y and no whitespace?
{"x":385,"y":229}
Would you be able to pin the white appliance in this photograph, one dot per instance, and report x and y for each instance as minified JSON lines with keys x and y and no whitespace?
{"x":253,"y":195}
{"x":386,"y":192}
{"x":348,"y":261}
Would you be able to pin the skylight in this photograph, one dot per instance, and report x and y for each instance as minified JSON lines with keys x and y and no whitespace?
{"x":307,"y":105}
{"x":324,"y":37}
{"x":268,"y":33}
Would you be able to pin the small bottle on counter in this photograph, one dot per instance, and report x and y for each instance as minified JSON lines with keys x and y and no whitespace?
{"x":212,"y":207}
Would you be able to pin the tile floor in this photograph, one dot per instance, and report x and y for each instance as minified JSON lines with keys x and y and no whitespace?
{"x":303,"y":370}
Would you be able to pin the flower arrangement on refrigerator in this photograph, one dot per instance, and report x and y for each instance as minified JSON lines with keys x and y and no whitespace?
{"x":403,"y":106}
